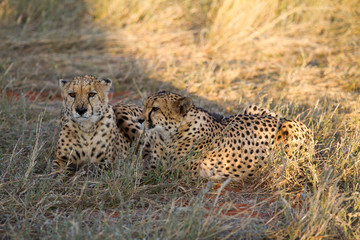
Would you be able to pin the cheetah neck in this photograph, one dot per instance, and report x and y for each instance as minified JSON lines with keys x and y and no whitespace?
{"x":87,"y":126}
{"x":200,"y":120}
{"x":198,"y":131}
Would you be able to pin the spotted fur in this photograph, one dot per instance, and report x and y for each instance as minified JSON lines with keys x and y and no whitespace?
{"x":256,"y":110}
{"x":215,"y":147}
{"x":92,"y":131}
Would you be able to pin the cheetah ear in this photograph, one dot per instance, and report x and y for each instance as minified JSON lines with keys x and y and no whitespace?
{"x":63,"y":82}
{"x":106,"y":83}
{"x":184,"y":104}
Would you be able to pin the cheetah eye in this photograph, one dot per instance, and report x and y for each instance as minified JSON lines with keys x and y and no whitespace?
{"x":72,"y":95}
{"x":92,"y":94}
{"x":154,"y":109}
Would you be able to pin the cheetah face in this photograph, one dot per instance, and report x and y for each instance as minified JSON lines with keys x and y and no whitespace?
{"x":85,"y":98}
{"x":164,"y":112}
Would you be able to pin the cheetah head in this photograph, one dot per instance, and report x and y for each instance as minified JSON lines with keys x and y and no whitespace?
{"x":85,"y":98}
{"x":164,"y":112}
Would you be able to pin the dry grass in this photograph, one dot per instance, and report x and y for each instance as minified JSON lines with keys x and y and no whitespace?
{"x":300,"y":58}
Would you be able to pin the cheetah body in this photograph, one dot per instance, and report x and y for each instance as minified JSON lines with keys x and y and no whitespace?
{"x":211,"y":146}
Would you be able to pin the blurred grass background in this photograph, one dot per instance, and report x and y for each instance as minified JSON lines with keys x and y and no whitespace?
{"x":300,"y":58}
{"x":285,"y":49}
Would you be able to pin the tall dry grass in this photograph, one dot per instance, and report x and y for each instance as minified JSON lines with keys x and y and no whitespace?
{"x":299,"y":58}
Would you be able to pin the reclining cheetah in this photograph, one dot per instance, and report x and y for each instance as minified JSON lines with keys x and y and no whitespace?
{"x":212,"y":146}
{"x":92,"y":131}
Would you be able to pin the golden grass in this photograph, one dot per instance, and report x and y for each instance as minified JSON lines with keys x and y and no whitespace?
{"x":300,"y":58}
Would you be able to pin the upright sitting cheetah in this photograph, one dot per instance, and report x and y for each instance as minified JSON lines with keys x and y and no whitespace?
{"x":212,"y":146}
{"x":91,"y":132}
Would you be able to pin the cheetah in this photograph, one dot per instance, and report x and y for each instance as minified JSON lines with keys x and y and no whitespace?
{"x":92,"y":131}
{"x":212,"y":146}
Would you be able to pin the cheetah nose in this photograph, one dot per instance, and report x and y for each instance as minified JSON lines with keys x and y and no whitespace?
{"x":81,"y":110}
{"x":140,"y":120}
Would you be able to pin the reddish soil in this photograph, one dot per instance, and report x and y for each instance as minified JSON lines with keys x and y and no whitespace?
{"x":243,"y":205}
